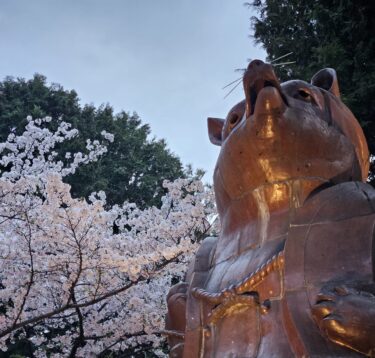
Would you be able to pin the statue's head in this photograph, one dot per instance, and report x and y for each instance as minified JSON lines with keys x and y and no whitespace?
{"x":283,"y":132}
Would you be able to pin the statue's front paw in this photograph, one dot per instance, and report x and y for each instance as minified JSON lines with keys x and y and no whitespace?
{"x":347,"y":317}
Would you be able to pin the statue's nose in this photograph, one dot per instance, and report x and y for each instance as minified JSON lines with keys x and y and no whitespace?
{"x":255,"y":65}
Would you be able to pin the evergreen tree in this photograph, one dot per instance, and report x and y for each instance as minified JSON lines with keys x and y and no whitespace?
{"x":134,"y":167}
{"x":324,"y":33}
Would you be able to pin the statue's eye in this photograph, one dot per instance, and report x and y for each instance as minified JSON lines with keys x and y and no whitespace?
{"x":233,"y":120}
{"x":303,"y":94}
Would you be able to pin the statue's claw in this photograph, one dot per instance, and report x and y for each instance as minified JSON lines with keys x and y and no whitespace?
{"x":347,"y":317}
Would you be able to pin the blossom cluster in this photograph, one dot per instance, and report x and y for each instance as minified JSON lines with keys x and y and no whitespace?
{"x":78,"y":278}
{"x":33,"y":154}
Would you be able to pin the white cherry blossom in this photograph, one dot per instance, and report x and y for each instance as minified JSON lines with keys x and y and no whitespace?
{"x":77,"y":278}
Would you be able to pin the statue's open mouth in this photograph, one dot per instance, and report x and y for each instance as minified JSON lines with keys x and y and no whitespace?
{"x":256,"y":88}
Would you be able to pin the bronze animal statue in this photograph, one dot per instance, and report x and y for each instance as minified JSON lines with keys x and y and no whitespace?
{"x":292,"y":273}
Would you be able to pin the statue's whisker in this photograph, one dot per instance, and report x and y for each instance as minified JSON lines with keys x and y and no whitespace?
{"x":279,"y":58}
{"x":239,"y":82}
{"x":284,"y":63}
{"x":238,"y":79}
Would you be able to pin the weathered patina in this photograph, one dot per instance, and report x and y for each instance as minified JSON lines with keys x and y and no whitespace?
{"x":292,"y":273}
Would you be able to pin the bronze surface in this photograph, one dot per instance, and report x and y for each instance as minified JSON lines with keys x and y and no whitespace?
{"x":292,"y":273}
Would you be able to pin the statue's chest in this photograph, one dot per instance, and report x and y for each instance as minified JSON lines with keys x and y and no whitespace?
{"x":255,"y":270}
{"x":234,"y":306}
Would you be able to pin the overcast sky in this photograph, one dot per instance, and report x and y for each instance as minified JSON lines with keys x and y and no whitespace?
{"x":165,"y":59}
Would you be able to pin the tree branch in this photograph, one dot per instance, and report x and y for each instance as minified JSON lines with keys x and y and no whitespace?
{"x":88,"y":303}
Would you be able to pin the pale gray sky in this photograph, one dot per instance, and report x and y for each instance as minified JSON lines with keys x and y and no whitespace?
{"x":165,"y":59}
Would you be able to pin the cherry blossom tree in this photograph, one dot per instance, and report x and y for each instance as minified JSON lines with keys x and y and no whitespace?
{"x":78,"y":279}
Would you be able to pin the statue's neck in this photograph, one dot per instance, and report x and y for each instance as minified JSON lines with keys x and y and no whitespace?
{"x":269,"y":208}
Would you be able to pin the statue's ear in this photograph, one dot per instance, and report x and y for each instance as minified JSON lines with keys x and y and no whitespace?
{"x":327,"y":79}
{"x":215,"y":126}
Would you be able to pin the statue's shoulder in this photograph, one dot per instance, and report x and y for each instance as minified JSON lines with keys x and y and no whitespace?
{"x":331,"y":238}
{"x":339,"y":202}
{"x":204,"y":255}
